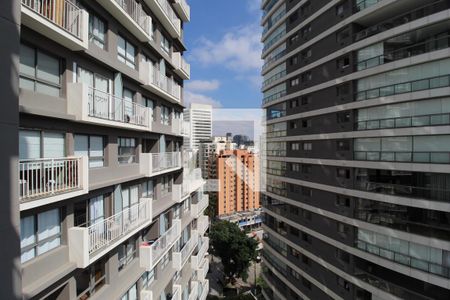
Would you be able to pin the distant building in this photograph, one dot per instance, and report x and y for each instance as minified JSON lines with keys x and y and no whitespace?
{"x":245,"y":220}
{"x":208,"y":150}
{"x":237,"y":173}
{"x":199,"y":117}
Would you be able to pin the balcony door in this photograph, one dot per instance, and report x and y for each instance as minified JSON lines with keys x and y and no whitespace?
{"x":98,"y":85}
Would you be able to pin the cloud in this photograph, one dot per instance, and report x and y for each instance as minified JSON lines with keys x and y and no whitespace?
{"x":202,"y":85}
{"x":254,"y":6}
{"x":238,"y":50}
{"x":191,"y":97}
{"x":254,"y":79}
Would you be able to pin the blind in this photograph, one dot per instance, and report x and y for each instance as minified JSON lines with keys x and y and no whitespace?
{"x":54,"y":145}
{"x":29,"y":144}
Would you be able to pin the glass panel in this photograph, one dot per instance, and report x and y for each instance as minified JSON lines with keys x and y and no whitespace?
{"x":27,"y":231}
{"x":27,"y":60}
{"x":85,"y":76}
{"x":26,"y":84}
{"x":54,"y":145}
{"x":48,"y":224}
{"x":81,"y":145}
{"x":29,"y":144}
{"x":47,"y":89}
{"x":47,"y":68}
{"x":96,"y":151}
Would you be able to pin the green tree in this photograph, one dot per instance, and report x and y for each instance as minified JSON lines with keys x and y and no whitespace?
{"x":234,"y":248}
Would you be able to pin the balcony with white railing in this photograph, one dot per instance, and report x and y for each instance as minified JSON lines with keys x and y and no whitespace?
{"x":132,"y":16}
{"x":183,"y":9}
{"x":60,"y":20}
{"x":194,"y":291}
{"x":182,"y":68}
{"x":177,"y":126}
{"x":152,"y":252}
{"x":202,"y":224}
{"x":197,"y":259}
{"x":158,"y":83}
{"x":177,"y":193}
{"x":180,"y":258}
{"x":152,"y":164}
{"x":166,"y":15}
{"x":147,"y":295}
{"x":94,"y":106}
{"x":87,"y":244}
{"x":204,"y":290}
{"x":47,"y":180}
{"x":192,"y":181}
{"x":198,"y":208}
{"x":203,"y":269}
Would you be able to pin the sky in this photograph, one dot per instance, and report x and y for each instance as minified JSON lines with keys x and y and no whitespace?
{"x":224,"y":50}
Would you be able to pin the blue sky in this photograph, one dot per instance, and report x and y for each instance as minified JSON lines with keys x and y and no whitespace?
{"x":224,"y":49}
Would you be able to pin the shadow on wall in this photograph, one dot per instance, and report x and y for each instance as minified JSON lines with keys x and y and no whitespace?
{"x":10,"y":266}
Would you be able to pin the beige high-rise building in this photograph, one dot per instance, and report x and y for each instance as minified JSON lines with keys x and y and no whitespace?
{"x":238,"y":180}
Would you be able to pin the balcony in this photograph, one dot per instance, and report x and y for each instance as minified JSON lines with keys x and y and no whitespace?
{"x":182,"y":68}
{"x":197,"y":259}
{"x":152,"y":164}
{"x":183,"y":9}
{"x":152,"y":252}
{"x":177,"y":126}
{"x":180,"y":258}
{"x":198,"y":208}
{"x":203,"y":269}
{"x":202,"y":224}
{"x":97,"y":107}
{"x":204,"y":290}
{"x":194,"y":291}
{"x":159,"y":84}
{"x":166,"y":15}
{"x":192,"y":181}
{"x":87,"y":244}
{"x":132,"y":16}
{"x":60,"y":20}
{"x":47,"y":180}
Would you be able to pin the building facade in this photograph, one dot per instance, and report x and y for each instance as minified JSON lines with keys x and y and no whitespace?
{"x":358,"y":149}
{"x":107,"y":208}
{"x":237,"y":174}
{"x":199,"y":118}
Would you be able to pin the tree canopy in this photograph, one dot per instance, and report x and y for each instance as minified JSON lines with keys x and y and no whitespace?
{"x":234,"y":248}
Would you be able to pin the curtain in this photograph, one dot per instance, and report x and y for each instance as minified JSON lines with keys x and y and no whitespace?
{"x":54,"y":145}
{"x":29,"y":144}
{"x":96,"y":209}
{"x":96,"y":151}
{"x":48,"y":226}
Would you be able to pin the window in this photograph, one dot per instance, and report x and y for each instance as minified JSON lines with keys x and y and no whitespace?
{"x":306,"y":8}
{"x":307,"y":146}
{"x":97,"y":30}
{"x":293,"y":17}
{"x":127,"y":150}
{"x":165,"y":115}
{"x":343,"y":173}
{"x":165,"y":44}
{"x":306,"y":283}
{"x":306,"y":192}
{"x":343,"y":283}
{"x":294,"y":231}
{"x":306,"y":123}
{"x":307,"y":76}
{"x":166,"y":184}
{"x":295,"y":167}
{"x":91,"y":279}
{"x":343,"y":90}
{"x":306,"y":53}
{"x":91,"y":146}
{"x":126,"y":253}
{"x":343,"y":145}
{"x":294,"y":103}
{"x":294,"y":82}
{"x":293,"y":60}
{"x":293,"y":124}
{"x":342,"y":201}
{"x":148,"y":278}
{"x":38,"y":144}
{"x":342,"y":228}
{"x":306,"y":169}
{"x":306,"y":31}
{"x":39,"y":72}
{"x":342,"y":36}
{"x":295,"y":146}
{"x":340,"y":8}
{"x":148,"y":189}
{"x":293,"y":39}
{"x":126,"y":52}
{"x":306,"y":237}
{"x":39,"y":234}
{"x":165,"y":261}
{"x":131,"y":294}
{"x":306,"y":99}
{"x":306,"y":214}
{"x":151,"y":106}
{"x":343,"y":117}
{"x":342,"y":256}
{"x":343,"y":62}
{"x":306,"y":260}
{"x":294,"y":253}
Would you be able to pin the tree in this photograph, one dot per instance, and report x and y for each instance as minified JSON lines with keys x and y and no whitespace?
{"x":234,"y":248}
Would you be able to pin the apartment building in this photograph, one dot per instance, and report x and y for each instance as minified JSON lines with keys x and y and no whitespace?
{"x":358,"y":149}
{"x":107,"y":208}
{"x":199,"y":118}
{"x":237,"y":174}
{"x":207,"y":152}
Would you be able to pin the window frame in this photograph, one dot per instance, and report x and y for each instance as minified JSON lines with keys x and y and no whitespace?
{"x":133,"y":150}
{"x":124,"y":58}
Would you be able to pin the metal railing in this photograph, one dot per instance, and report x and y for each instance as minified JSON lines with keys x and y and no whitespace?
{"x":431,"y":193}
{"x":268,"y":7}
{"x":44,"y":177}
{"x":165,"y":83}
{"x":63,"y":13}
{"x":168,"y":10}
{"x":404,"y":259}
{"x":164,"y":161}
{"x":276,"y":152}
{"x":404,"y":156}
{"x":188,"y":249}
{"x":396,"y":21}
{"x":274,"y":59}
{"x":109,"y":107}
{"x":405,"y":87}
{"x":275,"y":134}
{"x":401,"y":122}
{"x":105,"y":232}
{"x":162,"y":244}
{"x":274,"y":39}
{"x":135,"y":11}
{"x":405,"y":52}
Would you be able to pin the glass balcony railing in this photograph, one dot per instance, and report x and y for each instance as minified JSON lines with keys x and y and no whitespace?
{"x":423,"y":11}
{"x":273,"y":21}
{"x":137,"y":13}
{"x":272,"y":60}
{"x":404,"y":259}
{"x":274,"y":97}
{"x":404,"y":156}
{"x":274,"y":78}
{"x":363,"y":4}
{"x":413,"y":50}
{"x":402,"y":122}
{"x":274,"y":39}
{"x":405,"y":87}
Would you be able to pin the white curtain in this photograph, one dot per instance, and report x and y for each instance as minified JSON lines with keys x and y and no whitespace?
{"x":54,"y":145}
{"x":96,"y":151}
{"x":96,"y":209}
{"x":48,"y":226}
{"x":27,"y":237}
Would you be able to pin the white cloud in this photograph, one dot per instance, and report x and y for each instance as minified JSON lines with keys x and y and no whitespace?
{"x":254,"y":5}
{"x":191,"y":97}
{"x":238,"y":50}
{"x":203,"y":85}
